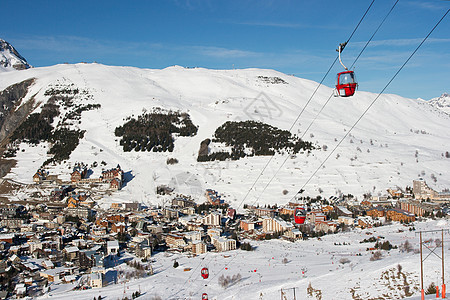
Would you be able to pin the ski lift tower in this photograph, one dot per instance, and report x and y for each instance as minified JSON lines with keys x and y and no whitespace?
{"x":432,"y":251}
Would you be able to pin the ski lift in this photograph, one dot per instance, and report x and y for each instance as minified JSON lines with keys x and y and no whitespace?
{"x":205,"y":273}
{"x":299,"y":215}
{"x":204,"y":296}
{"x":345,"y":81}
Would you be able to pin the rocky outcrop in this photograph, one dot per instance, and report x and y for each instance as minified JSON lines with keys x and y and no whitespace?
{"x":12,"y":110}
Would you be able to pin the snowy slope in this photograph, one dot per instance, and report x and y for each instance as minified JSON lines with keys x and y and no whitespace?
{"x":10,"y":59}
{"x":397,"y":141}
{"x":336,"y":270}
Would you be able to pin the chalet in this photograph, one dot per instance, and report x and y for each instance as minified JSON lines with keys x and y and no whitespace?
{"x":114,"y":177}
{"x":114,"y":184}
{"x":79,"y":172}
{"x":47,"y":264}
{"x":365,"y":222}
{"x":260,"y":212}
{"x":20,"y":290}
{"x":73,"y":201}
{"x":40,"y":176}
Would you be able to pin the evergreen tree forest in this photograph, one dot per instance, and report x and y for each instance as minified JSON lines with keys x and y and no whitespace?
{"x":154,"y":131}
{"x":63,"y":138}
{"x":259,"y":138}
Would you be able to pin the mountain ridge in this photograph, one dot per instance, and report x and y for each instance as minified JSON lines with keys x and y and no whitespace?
{"x":397,"y":141}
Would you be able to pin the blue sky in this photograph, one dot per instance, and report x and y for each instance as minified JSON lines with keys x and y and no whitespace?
{"x":294,"y":37}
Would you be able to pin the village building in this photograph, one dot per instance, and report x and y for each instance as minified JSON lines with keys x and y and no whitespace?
{"x":293,"y":234}
{"x":96,"y":280}
{"x":175,"y":241}
{"x":400,"y":215}
{"x":213,"y":197}
{"x":275,"y":224}
{"x":419,"y":208}
{"x":349,"y":221}
{"x":212,"y":219}
{"x":376,"y":212}
{"x":112,"y":247}
{"x":198,"y":247}
{"x":224,"y":244}
{"x":325,"y":226}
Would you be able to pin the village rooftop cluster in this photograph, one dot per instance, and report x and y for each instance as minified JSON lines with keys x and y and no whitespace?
{"x":66,"y":238}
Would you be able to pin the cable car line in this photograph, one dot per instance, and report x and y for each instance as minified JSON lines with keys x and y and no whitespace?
{"x":290,"y":129}
{"x":359,"y":119}
{"x":373,"y":102}
{"x":304,"y":107}
{"x":365,"y":46}
{"x":329,"y":98}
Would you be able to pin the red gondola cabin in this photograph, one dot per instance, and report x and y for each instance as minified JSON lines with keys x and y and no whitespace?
{"x":346,"y":83}
{"x":299,"y":215}
{"x":204,"y":296}
{"x":205,"y":273}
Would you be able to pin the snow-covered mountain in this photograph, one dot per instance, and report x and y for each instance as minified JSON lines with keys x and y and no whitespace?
{"x":442,"y":102}
{"x":10,"y":59}
{"x":398,"y":140}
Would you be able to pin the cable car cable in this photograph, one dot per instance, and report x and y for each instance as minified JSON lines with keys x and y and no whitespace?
{"x":365,"y":46}
{"x":294,"y":123}
{"x":329,"y":98}
{"x":367,"y":109}
{"x":292,"y":126}
{"x":304,"y":107}
{"x":373,"y":102}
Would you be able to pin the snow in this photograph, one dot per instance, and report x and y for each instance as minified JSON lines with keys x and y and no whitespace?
{"x":384,"y":143}
{"x":321,"y":263}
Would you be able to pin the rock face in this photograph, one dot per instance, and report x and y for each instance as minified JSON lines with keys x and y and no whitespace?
{"x":10,"y":58}
{"x":10,"y":99}
{"x":204,"y":147}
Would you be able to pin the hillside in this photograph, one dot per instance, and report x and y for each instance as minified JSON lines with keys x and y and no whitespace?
{"x":397,"y":141}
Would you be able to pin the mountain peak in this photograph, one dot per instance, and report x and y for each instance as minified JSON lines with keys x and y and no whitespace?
{"x":10,"y":59}
{"x":442,"y":102}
